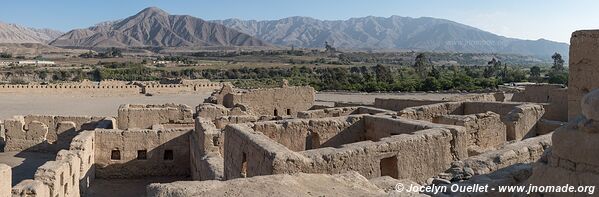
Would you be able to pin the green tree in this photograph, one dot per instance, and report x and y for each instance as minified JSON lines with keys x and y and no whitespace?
{"x":422,"y":65}
{"x":5,"y":55}
{"x":535,"y":74}
{"x":383,"y":74}
{"x":558,"y":62}
{"x":431,"y":84}
{"x":558,"y":77}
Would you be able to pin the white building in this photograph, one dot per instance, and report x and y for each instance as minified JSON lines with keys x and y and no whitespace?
{"x":36,"y":62}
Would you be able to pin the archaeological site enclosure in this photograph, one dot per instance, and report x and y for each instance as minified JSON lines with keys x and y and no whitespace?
{"x":254,"y":140}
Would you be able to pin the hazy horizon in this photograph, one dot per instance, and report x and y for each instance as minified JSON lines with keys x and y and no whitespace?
{"x":552,"y":20}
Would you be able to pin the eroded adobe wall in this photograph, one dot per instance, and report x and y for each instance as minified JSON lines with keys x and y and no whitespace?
{"x":5,"y":181}
{"x":501,"y":108}
{"x":520,"y":118}
{"x":486,"y":131}
{"x":69,"y":175}
{"x":206,"y":150}
{"x":396,"y":104}
{"x":42,"y":133}
{"x":415,"y":150}
{"x":250,"y":153}
{"x":414,"y":156}
{"x":61,"y":176}
{"x":430,"y":112}
{"x":526,"y":151}
{"x":583,"y":65}
{"x":378,"y":127}
{"x":180,"y":88}
{"x":72,"y":89}
{"x":304,"y":134}
{"x":31,"y":188}
{"x":572,"y":158}
{"x":522,"y":121}
{"x":342,"y":111}
{"x":223,"y":121}
{"x":400,"y":104}
{"x":119,"y":153}
{"x":84,"y":148}
{"x":132,"y":116}
{"x":327,"y":112}
{"x":282,"y":101}
{"x":536,"y":93}
{"x":558,"y":105}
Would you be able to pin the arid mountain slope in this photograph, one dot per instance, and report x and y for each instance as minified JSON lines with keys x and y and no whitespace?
{"x":395,"y":32}
{"x":12,"y":33}
{"x":153,"y":27}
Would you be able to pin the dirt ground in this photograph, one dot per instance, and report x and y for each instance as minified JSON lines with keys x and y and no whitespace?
{"x":24,"y":164}
{"x":126,"y":187}
{"x":21,"y":104}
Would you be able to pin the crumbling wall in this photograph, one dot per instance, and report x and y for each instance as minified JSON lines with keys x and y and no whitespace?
{"x":5,"y":181}
{"x":132,"y":116}
{"x":414,"y":156}
{"x":304,"y":134}
{"x":520,"y":118}
{"x":284,"y":101}
{"x":250,"y":153}
{"x":558,"y":105}
{"x":378,"y":127}
{"x":42,"y":133}
{"x":83,"y":147}
{"x":526,"y":151}
{"x":18,"y":139}
{"x":430,"y":112}
{"x":342,"y":111}
{"x":485,"y":130}
{"x":61,"y":176}
{"x":142,"y":153}
{"x":327,"y":112}
{"x":72,"y":89}
{"x":536,"y":93}
{"x":300,"y":184}
{"x":69,"y":175}
{"x":223,"y":121}
{"x":501,"y":108}
{"x":430,"y":150}
{"x":206,"y":150}
{"x":396,"y":104}
{"x":521,"y":122}
{"x":583,"y":62}
{"x":180,"y":88}
{"x":214,"y":111}
{"x":31,"y":188}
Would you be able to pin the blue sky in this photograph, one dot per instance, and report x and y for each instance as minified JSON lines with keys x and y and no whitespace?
{"x":526,"y":19}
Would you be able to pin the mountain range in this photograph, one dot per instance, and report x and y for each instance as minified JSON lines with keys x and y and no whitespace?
{"x":153,"y":27}
{"x":13,"y":33}
{"x":395,"y":32}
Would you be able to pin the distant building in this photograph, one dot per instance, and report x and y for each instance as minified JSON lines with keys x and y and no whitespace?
{"x":36,"y":62}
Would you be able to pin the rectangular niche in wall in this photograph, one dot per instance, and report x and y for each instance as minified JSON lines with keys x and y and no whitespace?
{"x":142,"y":154}
{"x":168,"y":155}
{"x":115,"y":155}
{"x":389,"y":167}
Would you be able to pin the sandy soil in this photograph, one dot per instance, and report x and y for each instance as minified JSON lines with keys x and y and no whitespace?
{"x":20,"y":104}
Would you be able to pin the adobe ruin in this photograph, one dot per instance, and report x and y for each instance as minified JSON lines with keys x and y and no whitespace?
{"x":252,"y":138}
